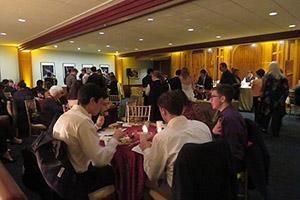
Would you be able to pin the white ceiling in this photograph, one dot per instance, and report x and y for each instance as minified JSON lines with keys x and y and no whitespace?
{"x":41,"y":16}
{"x":208,"y":18}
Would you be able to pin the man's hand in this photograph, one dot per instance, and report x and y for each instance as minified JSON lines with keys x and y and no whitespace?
{"x":217,"y":128}
{"x":144,"y":145}
{"x":100,"y":121}
{"x":118,"y":134}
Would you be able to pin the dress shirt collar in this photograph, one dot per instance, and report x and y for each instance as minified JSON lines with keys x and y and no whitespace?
{"x":179,"y":120}
{"x":79,"y":108}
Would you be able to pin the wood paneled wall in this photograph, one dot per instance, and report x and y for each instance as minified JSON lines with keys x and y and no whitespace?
{"x":25,"y":67}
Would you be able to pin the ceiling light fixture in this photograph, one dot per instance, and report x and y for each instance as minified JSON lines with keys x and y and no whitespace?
{"x":273,"y":13}
{"x":218,"y":36}
{"x":2,"y":33}
{"x":101,"y":33}
{"x":253,"y":45}
{"x":108,"y":46}
{"x":55,"y":46}
{"x":78,"y":48}
{"x":209,"y":50}
{"x":99,"y":50}
{"x":22,"y":20}
{"x":141,"y":39}
{"x":136,"y":49}
{"x":292,"y":25}
{"x":190,"y":29}
{"x":150,"y":19}
{"x":71,"y":41}
{"x":170,"y":44}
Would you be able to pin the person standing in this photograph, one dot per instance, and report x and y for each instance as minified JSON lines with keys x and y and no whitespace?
{"x":275,"y":90}
{"x":205,"y":80}
{"x":256,"y":92}
{"x":187,"y":84}
{"x":71,"y":78}
{"x":175,"y":82}
{"x":145,"y":82}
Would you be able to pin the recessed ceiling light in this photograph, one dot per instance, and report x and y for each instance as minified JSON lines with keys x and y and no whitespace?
{"x":101,"y":33}
{"x":218,"y":36}
{"x":273,"y":13}
{"x":190,"y":29}
{"x":99,"y":50}
{"x":55,"y":46}
{"x":136,"y":49}
{"x":253,"y":45}
{"x":22,"y":20}
{"x":292,"y":25}
{"x":170,"y":44}
{"x":2,"y":33}
{"x":209,"y":50}
{"x":150,"y":19}
{"x":108,"y":46}
{"x":78,"y":48}
{"x":141,"y":39}
{"x":71,"y":41}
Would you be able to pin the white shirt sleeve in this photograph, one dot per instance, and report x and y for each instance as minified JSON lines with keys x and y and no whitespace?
{"x":89,"y":142}
{"x":155,"y":159}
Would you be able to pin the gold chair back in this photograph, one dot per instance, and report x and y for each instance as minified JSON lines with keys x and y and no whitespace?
{"x":136,"y":113}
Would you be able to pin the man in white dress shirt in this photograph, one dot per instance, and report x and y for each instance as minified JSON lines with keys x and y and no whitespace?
{"x":159,"y":157}
{"x":79,"y":132}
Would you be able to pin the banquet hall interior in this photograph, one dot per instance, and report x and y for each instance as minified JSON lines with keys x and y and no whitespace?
{"x":50,"y":49}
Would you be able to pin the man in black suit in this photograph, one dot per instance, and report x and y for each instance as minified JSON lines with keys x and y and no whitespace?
{"x":146,"y":81}
{"x":205,"y":80}
{"x":227,"y":77}
{"x":96,"y":78}
{"x":175,"y":82}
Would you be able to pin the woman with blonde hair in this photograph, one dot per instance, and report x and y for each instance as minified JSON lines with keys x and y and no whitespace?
{"x":187,"y":84}
{"x":275,"y":90}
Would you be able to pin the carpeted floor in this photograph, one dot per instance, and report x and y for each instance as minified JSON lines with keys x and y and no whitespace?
{"x":284,"y":180}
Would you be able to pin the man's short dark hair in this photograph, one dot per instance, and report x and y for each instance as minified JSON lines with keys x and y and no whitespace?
{"x":171,"y":102}
{"x":5,"y":81}
{"x":178,"y":72}
{"x":149,"y":71}
{"x":22,"y":84}
{"x":39,"y":83}
{"x":225,"y":90}
{"x":49,"y":74}
{"x":89,"y":91}
{"x":93,"y":69}
{"x":223,"y":65}
{"x":260,"y":72}
{"x":203,"y":71}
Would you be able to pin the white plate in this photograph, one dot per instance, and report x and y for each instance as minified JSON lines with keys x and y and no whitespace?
{"x":126,"y":125}
{"x":108,"y":132}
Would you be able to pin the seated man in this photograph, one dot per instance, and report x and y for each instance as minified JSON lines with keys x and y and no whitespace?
{"x":230,"y":126}
{"x":78,"y":131}
{"x":161,"y":155}
{"x":51,"y":106}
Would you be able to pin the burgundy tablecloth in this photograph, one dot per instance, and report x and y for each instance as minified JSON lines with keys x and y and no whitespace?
{"x":128,"y":166}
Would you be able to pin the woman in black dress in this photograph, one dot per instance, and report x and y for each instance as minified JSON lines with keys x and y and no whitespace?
{"x":154,"y":90}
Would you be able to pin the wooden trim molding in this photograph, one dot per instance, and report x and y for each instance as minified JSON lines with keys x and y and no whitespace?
{"x":242,"y":40}
{"x":119,"y":13}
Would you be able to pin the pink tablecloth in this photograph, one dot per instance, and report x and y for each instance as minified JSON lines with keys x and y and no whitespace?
{"x":128,"y":166}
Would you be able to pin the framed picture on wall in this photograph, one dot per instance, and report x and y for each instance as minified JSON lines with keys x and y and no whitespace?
{"x":104,"y":68}
{"x":87,"y":66}
{"x":47,"y":67}
{"x":133,"y":73}
{"x":67,"y":67}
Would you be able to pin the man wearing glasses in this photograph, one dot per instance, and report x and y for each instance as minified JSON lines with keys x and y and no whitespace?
{"x":230,"y":126}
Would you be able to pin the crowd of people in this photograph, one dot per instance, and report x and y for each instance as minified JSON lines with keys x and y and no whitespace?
{"x":172,"y":101}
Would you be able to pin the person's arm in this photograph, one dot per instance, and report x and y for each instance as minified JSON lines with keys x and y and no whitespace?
{"x":89,"y":142}
{"x":147,"y":90}
{"x":155,"y":159}
{"x":9,"y":108}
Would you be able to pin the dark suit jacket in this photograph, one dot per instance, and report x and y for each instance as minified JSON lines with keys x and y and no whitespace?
{"x":207,"y":82}
{"x":227,"y":78}
{"x":204,"y":171}
{"x":175,"y":83}
{"x":50,"y":107}
{"x":97,"y":79}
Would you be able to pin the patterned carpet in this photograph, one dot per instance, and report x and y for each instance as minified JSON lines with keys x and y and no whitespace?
{"x":284,"y":171}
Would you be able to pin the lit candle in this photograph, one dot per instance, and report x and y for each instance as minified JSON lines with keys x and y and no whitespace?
{"x":145,"y":129}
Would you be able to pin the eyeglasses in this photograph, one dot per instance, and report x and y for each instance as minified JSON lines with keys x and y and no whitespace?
{"x":213,"y":96}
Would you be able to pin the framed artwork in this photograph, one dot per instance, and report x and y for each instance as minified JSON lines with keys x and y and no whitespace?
{"x":104,"y":68}
{"x":66,"y":67}
{"x":133,"y":73}
{"x":47,"y":67}
{"x":87,"y":66}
